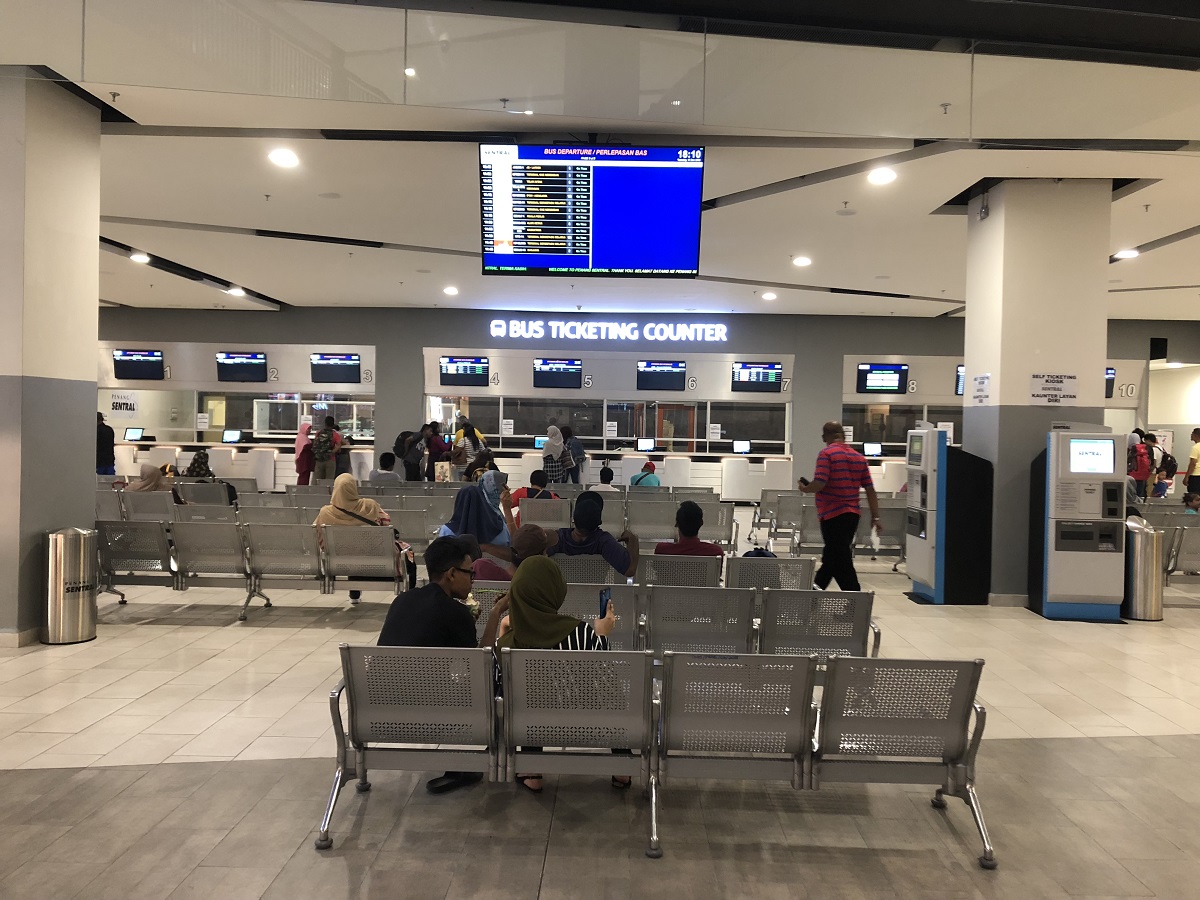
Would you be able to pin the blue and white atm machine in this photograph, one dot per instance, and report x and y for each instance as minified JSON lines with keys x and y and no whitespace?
{"x":1077,"y":527}
{"x":948,"y":520}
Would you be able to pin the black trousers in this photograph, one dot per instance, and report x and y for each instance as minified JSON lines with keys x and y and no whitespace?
{"x":837,"y":559}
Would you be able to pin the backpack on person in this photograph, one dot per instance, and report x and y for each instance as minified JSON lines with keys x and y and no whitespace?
{"x":322,"y":445}
{"x":1169,"y":464}
{"x":416,"y":449}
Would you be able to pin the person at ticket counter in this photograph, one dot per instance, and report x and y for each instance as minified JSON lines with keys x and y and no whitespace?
{"x":839,"y":474}
{"x":646,"y":477}
{"x":1191,"y":478}
{"x":106,"y":454}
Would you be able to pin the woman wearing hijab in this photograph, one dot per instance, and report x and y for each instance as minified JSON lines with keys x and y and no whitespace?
{"x":556,"y":458}
{"x":535,"y":623}
{"x":346,"y":507}
{"x":151,"y":479}
{"x":305,"y":463}
{"x":477,"y":511}
{"x":198,"y":467}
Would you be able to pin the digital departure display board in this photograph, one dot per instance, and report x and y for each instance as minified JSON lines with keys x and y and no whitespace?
{"x":882,"y":378}
{"x":138,"y":365}
{"x":232,"y":366}
{"x":586,"y":210}
{"x":661,"y":375}
{"x":557,"y":373}
{"x":758,"y":377}
{"x":464,"y":371}
{"x":335,"y":368}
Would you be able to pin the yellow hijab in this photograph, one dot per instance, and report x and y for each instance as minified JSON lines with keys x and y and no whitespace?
{"x":346,"y":500}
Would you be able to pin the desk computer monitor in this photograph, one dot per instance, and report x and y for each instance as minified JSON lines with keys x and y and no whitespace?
{"x":539,"y":442}
{"x":741,"y":446}
{"x":134,"y":434}
{"x":645,"y":445}
{"x":230,"y":436}
{"x":870,"y":449}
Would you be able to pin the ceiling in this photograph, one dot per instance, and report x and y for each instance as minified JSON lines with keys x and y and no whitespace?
{"x":190,"y":182}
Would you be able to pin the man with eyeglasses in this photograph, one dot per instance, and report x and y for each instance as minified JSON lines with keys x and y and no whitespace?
{"x":434,"y":616}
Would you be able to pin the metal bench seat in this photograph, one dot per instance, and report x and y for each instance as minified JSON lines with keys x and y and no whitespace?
{"x":700,"y":620}
{"x":135,"y":553}
{"x":411,"y":709}
{"x":770,"y":572}
{"x":693,"y":571}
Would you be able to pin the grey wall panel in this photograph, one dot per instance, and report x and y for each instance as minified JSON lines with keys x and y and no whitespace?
{"x":49,"y":482}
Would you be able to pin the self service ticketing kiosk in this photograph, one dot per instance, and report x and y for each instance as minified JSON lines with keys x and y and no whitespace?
{"x":1077,"y":527}
{"x":948,"y":540}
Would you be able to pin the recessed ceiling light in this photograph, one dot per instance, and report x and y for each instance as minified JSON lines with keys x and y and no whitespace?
{"x":236,"y":291}
{"x":284,"y":158}
{"x":1174,"y":365}
{"x":677,"y":103}
{"x":882,"y":175}
{"x":140,"y":256}
{"x":770,"y":295}
{"x":801,"y":261}
{"x":330,"y":195}
{"x":1126,"y":254}
{"x":450,"y":291}
{"x":424,"y":271}
{"x":410,"y":72}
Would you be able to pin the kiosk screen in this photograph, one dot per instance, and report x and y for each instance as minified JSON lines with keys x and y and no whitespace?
{"x":1089,"y":456}
{"x":916,"y":444}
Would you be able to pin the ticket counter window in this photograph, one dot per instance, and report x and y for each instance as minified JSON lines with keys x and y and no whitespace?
{"x":764,"y":424}
{"x":484,"y":413}
{"x":951,"y":414}
{"x":882,"y":422}
{"x":679,"y":427}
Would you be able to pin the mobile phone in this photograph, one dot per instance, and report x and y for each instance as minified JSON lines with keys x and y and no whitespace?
{"x":805,"y":482}
{"x":605,"y":597}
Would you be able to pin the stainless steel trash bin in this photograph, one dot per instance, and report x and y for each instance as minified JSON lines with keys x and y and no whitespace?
{"x":70,"y":586}
{"x":1144,"y":572}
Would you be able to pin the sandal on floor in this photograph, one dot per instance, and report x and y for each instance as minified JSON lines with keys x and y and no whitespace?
{"x":523,"y":781}
{"x":622,"y":785}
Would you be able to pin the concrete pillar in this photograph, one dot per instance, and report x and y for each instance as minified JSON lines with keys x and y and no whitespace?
{"x":49,"y":287}
{"x":1036,"y":269}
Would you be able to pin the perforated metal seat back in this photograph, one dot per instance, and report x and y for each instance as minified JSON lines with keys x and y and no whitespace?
{"x":270,"y":515}
{"x":108,"y":505}
{"x":419,"y":695}
{"x":1188,"y":557}
{"x":688,"y":571}
{"x":583,"y":602}
{"x":206,"y":512}
{"x":360,"y":550}
{"x":903,"y":709}
{"x":283,"y":549}
{"x":209,"y":548}
{"x":308,"y":494}
{"x":586,"y":568}
{"x":485,"y":593}
{"x":148,"y":506}
{"x":808,"y":527}
{"x":736,"y":703}
{"x":700,"y":620}
{"x":765,"y":572}
{"x":204,"y":492}
{"x":827,"y":623}
{"x":413,"y":525}
{"x":243,"y":485}
{"x":651,"y":519}
{"x":547,"y":513}
{"x":789,"y":511}
{"x":134,"y":547}
{"x":565,"y":698}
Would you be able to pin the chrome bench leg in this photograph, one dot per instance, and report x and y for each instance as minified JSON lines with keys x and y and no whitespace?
{"x":324,"y":841}
{"x":654,"y":851}
{"x":988,"y":859}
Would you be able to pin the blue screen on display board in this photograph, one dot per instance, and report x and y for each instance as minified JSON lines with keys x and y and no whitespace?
{"x":576,"y":210}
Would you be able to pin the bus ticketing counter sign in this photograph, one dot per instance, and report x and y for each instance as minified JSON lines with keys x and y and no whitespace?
{"x":1077,"y":526}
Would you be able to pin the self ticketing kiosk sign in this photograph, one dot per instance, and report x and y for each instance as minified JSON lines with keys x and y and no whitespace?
{"x":1079,"y":572}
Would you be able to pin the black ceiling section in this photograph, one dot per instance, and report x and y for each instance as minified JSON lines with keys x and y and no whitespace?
{"x":1138,"y":32}
{"x":181,"y":271}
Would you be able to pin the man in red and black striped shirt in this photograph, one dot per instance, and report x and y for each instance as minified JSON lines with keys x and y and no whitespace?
{"x":840,"y":473}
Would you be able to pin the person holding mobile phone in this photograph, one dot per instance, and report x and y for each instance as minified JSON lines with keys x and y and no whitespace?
{"x":535,"y":623}
{"x":840,"y":473}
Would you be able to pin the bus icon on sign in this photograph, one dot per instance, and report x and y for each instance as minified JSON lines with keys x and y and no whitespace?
{"x":499,"y":328}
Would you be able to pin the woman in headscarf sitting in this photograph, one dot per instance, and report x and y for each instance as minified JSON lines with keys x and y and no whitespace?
{"x":556,"y":458}
{"x":477,"y":511}
{"x":346,"y":507}
{"x":151,"y":479}
{"x":198,"y":467}
{"x":535,"y":623}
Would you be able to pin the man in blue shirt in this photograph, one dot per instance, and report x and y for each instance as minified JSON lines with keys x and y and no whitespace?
{"x":646,"y":477}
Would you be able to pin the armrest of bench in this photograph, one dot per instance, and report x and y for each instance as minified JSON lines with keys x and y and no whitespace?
{"x":877,"y":636}
{"x":335,"y":713}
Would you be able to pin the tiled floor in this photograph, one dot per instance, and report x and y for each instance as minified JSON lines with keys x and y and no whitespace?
{"x":186,"y":754}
